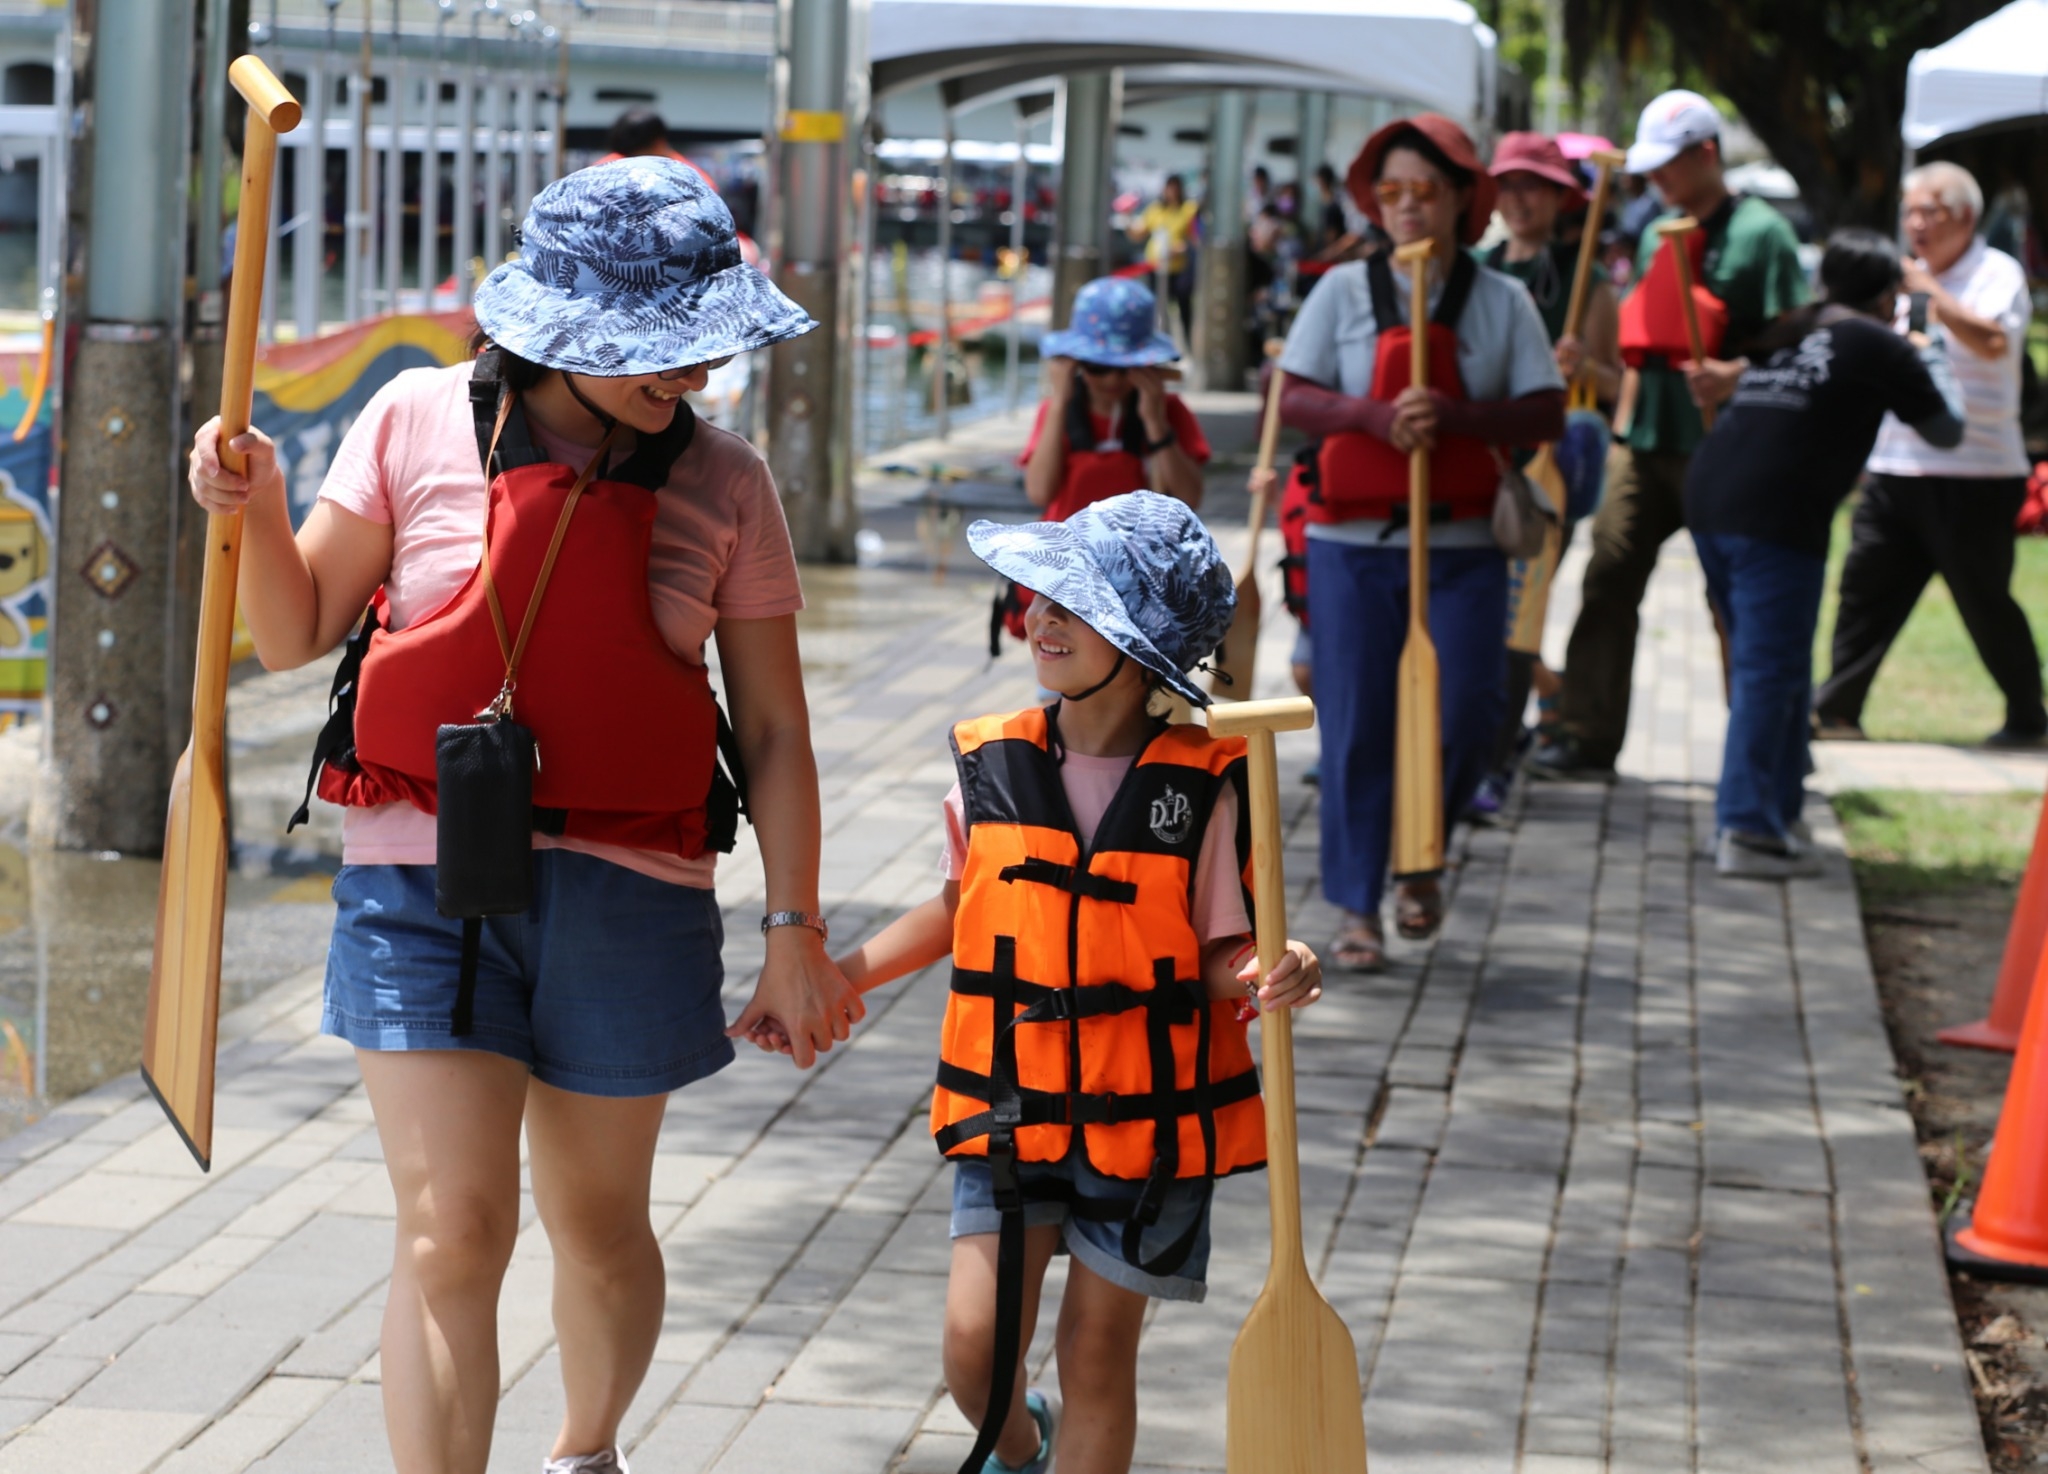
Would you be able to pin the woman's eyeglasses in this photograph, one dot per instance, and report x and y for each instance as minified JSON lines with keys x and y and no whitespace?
{"x":1099,"y":370}
{"x":669,"y":376}
{"x":1422,"y":191}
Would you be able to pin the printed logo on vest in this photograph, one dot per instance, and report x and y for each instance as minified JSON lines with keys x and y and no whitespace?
{"x":1172,"y":816}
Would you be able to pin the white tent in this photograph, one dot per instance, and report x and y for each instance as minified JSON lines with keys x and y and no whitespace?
{"x":1436,"y":53}
{"x":1994,"y":72}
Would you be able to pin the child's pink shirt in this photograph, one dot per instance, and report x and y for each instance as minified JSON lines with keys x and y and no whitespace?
{"x":721,"y":551}
{"x":1091,"y":782}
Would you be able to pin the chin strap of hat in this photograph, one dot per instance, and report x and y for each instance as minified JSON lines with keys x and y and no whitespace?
{"x":610,"y":422}
{"x":1114,"y":671}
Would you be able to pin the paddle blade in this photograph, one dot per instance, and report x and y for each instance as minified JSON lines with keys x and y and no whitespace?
{"x":1418,"y":761}
{"x":1239,"y":654}
{"x":184,"y":975}
{"x":1295,"y":1403}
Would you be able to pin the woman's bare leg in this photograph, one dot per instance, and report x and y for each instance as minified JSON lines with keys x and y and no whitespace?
{"x":449,"y":1122}
{"x":592,"y":1159}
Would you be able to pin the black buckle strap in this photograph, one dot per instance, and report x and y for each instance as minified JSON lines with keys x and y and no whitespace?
{"x":337,"y":740}
{"x":465,"y":986}
{"x":1074,"y":882}
{"x":1079,"y":1108}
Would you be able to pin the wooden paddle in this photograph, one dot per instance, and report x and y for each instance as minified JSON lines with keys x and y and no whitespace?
{"x":1238,"y":658}
{"x":1532,"y":606}
{"x":1675,"y":232}
{"x":1418,"y":717}
{"x":1295,"y":1403}
{"x":184,"y":975}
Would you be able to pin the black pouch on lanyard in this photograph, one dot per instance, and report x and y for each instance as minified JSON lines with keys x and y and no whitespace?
{"x":483,"y":821}
{"x":483,"y":770}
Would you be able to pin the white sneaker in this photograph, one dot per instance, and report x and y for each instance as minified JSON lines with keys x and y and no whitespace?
{"x":1745,"y":857}
{"x":610,"y":1461}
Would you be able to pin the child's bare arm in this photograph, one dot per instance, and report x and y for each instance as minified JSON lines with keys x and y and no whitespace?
{"x":917,"y":938}
{"x":1230,"y":964}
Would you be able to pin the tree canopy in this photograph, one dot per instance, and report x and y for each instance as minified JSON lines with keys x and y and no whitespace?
{"x":1821,"y":82}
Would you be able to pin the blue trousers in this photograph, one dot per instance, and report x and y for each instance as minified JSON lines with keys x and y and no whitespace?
{"x":1768,"y":596}
{"x":1358,"y":621}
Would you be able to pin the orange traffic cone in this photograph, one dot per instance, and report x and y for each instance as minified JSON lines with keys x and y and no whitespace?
{"x":2006,"y":1237}
{"x":2024,"y":940}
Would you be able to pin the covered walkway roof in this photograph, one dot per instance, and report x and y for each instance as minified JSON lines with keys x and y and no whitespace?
{"x":1433,"y":52}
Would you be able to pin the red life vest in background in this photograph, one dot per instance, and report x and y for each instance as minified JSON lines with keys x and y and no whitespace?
{"x":1653,"y":315}
{"x":1295,"y":500}
{"x":627,"y":730}
{"x":1361,"y":476}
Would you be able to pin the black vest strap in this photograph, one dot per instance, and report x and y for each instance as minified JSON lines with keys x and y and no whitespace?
{"x":1074,"y":882}
{"x":1064,"y":1108}
{"x":1080,"y":425}
{"x":1387,"y":310}
{"x":336,"y":743}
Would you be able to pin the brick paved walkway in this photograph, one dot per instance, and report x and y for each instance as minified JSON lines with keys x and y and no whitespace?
{"x":1614,"y":1176}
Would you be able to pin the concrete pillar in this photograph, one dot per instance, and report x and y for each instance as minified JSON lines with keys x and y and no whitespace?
{"x":1087,"y":146}
{"x":806,"y":451}
{"x":1220,"y":270}
{"x":1311,"y":141}
{"x":115,"y":723}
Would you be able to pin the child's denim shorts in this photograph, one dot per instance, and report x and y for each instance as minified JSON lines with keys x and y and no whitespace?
{"x":1097,"y":1243}
{"x":607,"y":985}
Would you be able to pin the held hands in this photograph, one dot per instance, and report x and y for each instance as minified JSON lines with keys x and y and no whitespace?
{"x":220,"y":490}
{"x":1415,"y":420}
{"x":802,"y":1004}
{"x":1713,"y":382}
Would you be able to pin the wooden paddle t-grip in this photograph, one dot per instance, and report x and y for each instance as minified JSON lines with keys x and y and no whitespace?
{"x":1674,"y":233}
{"x":180,"y":1030}
{"x":1294,"y":1403}
{"x":1418,"y":824}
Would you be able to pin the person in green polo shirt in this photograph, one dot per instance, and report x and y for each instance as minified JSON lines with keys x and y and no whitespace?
{"x":1752,"y":266}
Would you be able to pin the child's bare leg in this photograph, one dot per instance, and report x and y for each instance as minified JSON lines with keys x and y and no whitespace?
{"x":1098,"y":1335}
{"x":971,"y":1332}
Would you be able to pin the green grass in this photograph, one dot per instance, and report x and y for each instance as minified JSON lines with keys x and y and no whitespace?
{"x":1932,"y":687}
{"x":1905,"y":843}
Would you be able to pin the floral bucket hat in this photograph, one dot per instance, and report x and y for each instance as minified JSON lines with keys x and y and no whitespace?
{"x":1114,"y":323}
{"x":1138,"y":569}
{"x":632,"y":267}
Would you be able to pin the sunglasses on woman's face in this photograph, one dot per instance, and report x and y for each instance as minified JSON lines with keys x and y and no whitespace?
{"x":1422,"y":191}
{"x":669,"y":376}
{"x":1099,"y":370}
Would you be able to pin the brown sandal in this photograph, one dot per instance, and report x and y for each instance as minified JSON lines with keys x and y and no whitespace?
{"x":1360,"y":946}
{"x":1418,"y":909}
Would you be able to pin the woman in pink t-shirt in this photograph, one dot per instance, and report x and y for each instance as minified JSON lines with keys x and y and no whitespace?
{"x":575,"y":1017}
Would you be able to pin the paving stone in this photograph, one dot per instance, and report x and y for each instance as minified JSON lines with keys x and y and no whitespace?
{"x":1412,"y":1118}
{"x":688,"y":1437}
{"x":793,"y":1438}
{"x":1789,"y":1415}
{"x":345,"y":1436}
{"x":258,"y":1424}
{"x":106,"y":1441}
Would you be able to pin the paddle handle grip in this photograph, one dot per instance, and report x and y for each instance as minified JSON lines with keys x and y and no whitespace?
{"x":1269,"y":442}
{"x":1589,"y":242}
{"x":1276,"y":1029}
{"x":270,"y":106}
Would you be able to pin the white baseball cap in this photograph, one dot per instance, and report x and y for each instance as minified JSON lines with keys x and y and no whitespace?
{"x":1672,"y":123}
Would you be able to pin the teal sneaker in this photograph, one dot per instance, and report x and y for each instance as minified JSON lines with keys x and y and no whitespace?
{"x":1040,"y":1462}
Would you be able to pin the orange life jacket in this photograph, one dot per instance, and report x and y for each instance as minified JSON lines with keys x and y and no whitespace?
{"x":1653,"y":315}
{"x":1361,"y":476}
{"x":628,"y":732}
{"x":1076,"y":990}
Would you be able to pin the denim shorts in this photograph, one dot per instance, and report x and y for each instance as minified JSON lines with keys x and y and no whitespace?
{"x":1097,"y":1243}
{"x":607,"y":985}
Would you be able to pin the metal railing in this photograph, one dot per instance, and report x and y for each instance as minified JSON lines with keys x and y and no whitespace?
{"x":714,"y":25}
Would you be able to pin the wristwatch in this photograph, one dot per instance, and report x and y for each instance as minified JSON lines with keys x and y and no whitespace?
{"x":1153,"y":447}
{"x":810,"y":919}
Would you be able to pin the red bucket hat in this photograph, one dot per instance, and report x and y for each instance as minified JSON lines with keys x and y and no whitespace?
{"x":1535,"y":153}
{"x":1455,"y":144}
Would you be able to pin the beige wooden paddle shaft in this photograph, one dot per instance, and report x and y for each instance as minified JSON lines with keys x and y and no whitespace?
{"x":184,"y":998}
{"x":1418,"y":820}
{"x":1294,"y":1401}
{"x":1675,"y":232}
{"x":1605,"y":161}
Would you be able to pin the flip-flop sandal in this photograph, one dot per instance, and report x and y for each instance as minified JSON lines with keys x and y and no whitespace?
{"x":1359,"y":947}
{"x":1418,"y":911}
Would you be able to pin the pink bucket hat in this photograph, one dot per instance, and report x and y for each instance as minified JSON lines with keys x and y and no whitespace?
{"x":1535,"y":153}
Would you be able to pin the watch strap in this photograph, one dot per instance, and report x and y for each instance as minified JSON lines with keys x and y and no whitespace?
{"x":810,"y":919}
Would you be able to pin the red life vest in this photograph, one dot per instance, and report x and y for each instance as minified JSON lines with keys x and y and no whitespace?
{"x":1653,"y":315}
{"x":1361,"y":476}
{"x":1295,"y":503}
{"x":628,"y":732}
